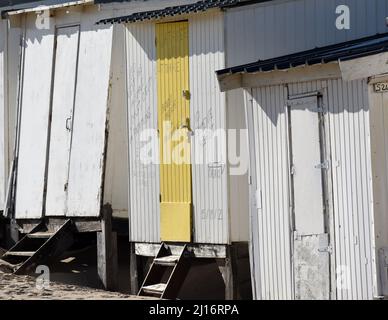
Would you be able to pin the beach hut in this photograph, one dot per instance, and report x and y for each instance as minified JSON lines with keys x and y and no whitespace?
{"x":182,"y":209}
{"x":68,"y":157}
{"x":267,"y":30}
{"x":318,"y":161}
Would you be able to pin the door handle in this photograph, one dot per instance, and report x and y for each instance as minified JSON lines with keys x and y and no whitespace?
{"x":186,"y":94}
{"x":68,"y":124}
{"x":186,"y":125}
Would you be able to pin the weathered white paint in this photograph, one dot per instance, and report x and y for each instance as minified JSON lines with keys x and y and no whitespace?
{"x":65,"y":67}
{"x":349,"y":219}
{"x":211,"y":195}
{"x":365,"y":67}
{"x":13,"y":67}
{"x":3,"y":110}
{"x":142,"y":114}
{"x":312,"y":267}
{"x":349,"y":148}
{"x":292,"y":75}
{"x":238,"y":183}
{"x":119,"y":9}
{"x":305,"y":165}
{"x":78,"y":161}
{"x":35,"y":104}
{"x":379,"y":148}
{"x":207,"y":111}
{"x":271,"y":229}
{"x":89,"y":121}
{"x":352,"y":187}
{"x":116,"y":172}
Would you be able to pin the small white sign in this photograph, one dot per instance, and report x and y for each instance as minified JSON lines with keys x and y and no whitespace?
{"x":381,"y":87}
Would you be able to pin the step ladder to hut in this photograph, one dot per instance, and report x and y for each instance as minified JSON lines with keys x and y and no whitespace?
{"x":41,"y":245}
{"x":167,"y":273}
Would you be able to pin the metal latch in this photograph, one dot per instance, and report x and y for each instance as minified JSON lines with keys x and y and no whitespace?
{"x":323,"y":165}
{"x":68,"y":124}
{"x":186,"y":94}
{"x":328,"y":249}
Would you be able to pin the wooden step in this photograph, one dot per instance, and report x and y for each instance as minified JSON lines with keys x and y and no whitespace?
{"x":155,"y":289}
{"x":168,"y":261}
{"x":40,"y":235}
{"x":20,"y":253}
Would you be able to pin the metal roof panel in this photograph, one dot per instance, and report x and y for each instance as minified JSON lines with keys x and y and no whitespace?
{"x":343,"y":51}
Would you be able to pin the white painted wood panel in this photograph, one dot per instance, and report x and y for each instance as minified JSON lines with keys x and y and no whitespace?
{"x":116,"y":173}
{"x":306,"y":159}
{"x":35,"y":106}
{"x":61,"y":119}
{"x":3,"y":111}
{"x":89,"y":121}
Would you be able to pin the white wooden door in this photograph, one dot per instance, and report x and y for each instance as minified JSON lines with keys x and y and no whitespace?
{"x":65,"y":70}
{"x":86,"y":167}
{"x":311,"y":256}
{"x":306,"y":166}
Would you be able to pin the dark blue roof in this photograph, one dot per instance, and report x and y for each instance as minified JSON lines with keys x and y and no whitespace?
{"x":338,"y":52}
{"x":199,"y":6}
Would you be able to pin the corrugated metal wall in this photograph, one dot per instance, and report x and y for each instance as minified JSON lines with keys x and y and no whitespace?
{"x":142,"y":114}
{"x":281,"y":27}
{"x":379,"y":147}
{"x":207,"y":111}
{"x":270,"y":224}
{"x":351,"y":216}
{"x":351,"y":184}
{"x":207,"y":108}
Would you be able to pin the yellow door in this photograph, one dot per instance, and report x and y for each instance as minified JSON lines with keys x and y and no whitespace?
{"x":173,"y":122}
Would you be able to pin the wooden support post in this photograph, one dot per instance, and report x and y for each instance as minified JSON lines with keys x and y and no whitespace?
{"x":228,"y":269}
{"x":107,"y":251}
{"x":14,"y":235}
{"x":133,"y":270}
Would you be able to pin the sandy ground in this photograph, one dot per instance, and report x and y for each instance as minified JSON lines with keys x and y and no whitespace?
{"x":74,"y":276}
{"x":14,"y":287}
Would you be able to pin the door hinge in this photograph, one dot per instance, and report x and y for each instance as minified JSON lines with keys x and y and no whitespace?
{"x":323,"y":165}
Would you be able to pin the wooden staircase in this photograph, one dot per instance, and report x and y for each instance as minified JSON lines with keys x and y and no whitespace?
{"x":166,"y":274}
{"x":42,"y":245}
